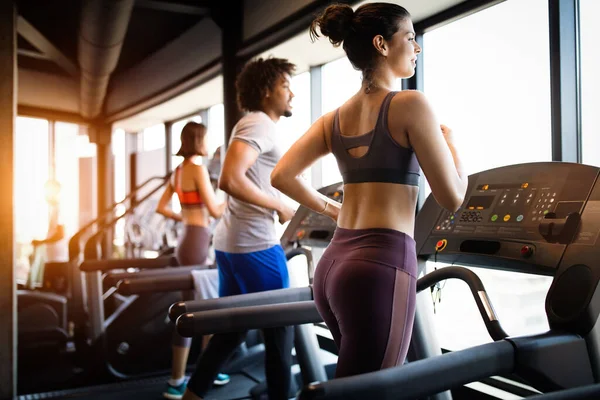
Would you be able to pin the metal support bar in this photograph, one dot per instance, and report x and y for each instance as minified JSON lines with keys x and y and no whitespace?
{"x":231,"y":41}
{"x":168,"y":145}
{"x":316,"y":109}
{"x":8,"y":112}
{"x":564,"y":80}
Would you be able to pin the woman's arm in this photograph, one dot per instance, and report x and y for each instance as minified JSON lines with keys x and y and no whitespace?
{"x":162,"y":208}
{"x":205,"y":189}
{"x":286,"y":175}
{"x":434,"y":147}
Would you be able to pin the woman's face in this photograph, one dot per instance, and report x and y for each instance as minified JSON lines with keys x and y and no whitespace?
{"x":201,"y":145}
{"x":403,"y":50}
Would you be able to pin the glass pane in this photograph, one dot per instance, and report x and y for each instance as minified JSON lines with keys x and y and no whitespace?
{"x":31,"y":174}
{"x":216,"y":128}
{"x":67,"y":174}
{"x":289,"y":130}
{"x":292,"y":128}
{"x":120,"y":173}
{"x":340,"y":82}
{"x":590,"y":81}
{"x":471,"y":69}
{"x":153,"y":138}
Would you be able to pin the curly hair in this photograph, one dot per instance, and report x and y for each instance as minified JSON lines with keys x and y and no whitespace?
{"x":257,"y":77}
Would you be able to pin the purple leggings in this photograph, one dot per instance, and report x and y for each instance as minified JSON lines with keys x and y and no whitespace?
{"x":365,"y":290}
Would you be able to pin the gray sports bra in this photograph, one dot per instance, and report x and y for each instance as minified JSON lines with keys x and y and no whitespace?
{"x":384,"y":161}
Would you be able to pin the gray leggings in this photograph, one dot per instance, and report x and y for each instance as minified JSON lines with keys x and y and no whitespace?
{"x":192,"y":249}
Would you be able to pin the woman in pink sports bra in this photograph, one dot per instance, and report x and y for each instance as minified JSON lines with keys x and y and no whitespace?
{"x":198,"y":202}
{"x":365,"y":282}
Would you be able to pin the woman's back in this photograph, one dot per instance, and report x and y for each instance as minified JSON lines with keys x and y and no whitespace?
{"x":379,"y":192}
{"x":184,"y":181}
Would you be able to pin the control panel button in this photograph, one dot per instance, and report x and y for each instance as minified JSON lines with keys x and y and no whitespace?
{"x":441,"y":245}
{"x":526,"y":251}
{"x":507,"y":218}
{"x":494,"y":217}
{"x":520,"y":218}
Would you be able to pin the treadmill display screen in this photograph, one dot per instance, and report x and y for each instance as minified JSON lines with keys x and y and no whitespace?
{"x":480,"y":202}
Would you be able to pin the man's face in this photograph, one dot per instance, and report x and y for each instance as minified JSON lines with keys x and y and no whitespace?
{"x":281,"y":96}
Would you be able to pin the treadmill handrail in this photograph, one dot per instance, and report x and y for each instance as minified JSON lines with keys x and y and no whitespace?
{"x":289,"y":254}
{"x":244,"y":318}
{"x":90,"y":247}
{"x":279,"y":296}
{"x":112,"y":278}
{"x":157,"y":284}
{"x":255,"y":299}
{"x":108,"y":265}
{"x":74,"y":247}
{"x":420,"y":378}
{"x":480,"y":296}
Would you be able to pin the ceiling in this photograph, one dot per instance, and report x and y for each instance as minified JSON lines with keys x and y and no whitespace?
{"x":165,"y":55}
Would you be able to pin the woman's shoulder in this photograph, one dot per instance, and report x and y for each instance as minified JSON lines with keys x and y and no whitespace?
{"x":409,"y":96}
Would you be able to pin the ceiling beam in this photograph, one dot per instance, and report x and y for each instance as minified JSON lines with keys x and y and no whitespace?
{"x":197,"y":78}
{"x":38,"y":40}
{"x":55,"y":115}
{"x":173,"y":7}
{"x":32,"y":54}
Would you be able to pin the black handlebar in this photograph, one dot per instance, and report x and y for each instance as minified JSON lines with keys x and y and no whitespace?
{"x":482,"y":300}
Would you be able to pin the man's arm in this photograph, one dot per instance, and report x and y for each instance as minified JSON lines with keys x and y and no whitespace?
{"x":239,"y":158}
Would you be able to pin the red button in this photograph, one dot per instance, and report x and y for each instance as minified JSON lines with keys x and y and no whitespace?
{"x":526,"y":251}
{"x":441,"y":245}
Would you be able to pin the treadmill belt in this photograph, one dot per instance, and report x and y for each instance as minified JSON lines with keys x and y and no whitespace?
{"x":147,"y":389}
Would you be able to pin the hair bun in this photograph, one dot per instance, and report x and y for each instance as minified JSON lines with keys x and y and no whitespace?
{"x":335,"y":23}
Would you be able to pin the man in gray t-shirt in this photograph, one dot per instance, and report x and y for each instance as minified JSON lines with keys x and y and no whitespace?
{"x":247,"y":249}
{"x":246,"y":226}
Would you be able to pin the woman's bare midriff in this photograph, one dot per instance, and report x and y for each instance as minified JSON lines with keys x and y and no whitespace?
{"x":197,"y":216}
{"x":379,"y":205}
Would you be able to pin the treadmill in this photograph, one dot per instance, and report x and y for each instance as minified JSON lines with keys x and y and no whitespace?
{"x":541,"y":218}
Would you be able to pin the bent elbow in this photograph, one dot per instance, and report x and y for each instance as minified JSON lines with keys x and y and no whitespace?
{"x":224,"y":185}
{"x":276,"y":180}
{"x":456,"y":203}
{"x":450,"y":202}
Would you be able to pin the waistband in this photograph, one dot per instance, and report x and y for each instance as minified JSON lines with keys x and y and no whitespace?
{"x":196,"y":228}
{"x":383,"y":236}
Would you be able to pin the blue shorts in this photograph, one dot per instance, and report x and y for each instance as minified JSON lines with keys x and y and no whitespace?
{"x":241,"y":273}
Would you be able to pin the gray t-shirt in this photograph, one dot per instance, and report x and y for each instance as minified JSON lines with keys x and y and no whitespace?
{"x":244,"y":227}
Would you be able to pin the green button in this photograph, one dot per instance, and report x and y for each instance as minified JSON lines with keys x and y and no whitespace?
{"x":494,"y":218}
{"x":546,"y":212}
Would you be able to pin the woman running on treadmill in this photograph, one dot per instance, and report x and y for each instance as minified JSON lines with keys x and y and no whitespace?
{"x":365,"y":283}
{"x":192,"y":184}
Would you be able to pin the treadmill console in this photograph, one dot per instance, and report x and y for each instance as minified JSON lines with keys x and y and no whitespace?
{"x":309,"y":228}
{"x":518,"y":217}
